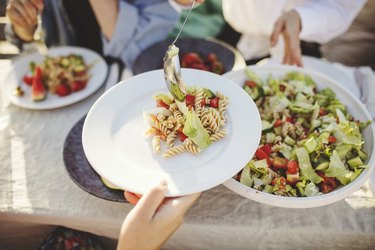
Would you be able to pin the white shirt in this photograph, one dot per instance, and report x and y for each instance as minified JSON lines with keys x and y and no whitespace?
{"x":321,"y":20}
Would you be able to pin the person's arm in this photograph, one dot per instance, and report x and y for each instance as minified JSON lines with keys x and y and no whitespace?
{"x":23,"y":17}
{"x":315,"y":21}
{"x":323,"y":20}
{"x":106,"y":13}
{"x":154,"y":218}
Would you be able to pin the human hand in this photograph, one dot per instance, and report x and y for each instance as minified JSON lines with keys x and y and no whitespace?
{"x":289,"y":25}
{"x":23,"y":15}
{"x":188,"y":2}
{"x":154,"y":218}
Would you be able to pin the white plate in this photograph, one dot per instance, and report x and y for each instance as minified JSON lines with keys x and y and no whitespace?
{"x":355,"y":107}
{"x":115,"y":145}
{"x":21,"y":68}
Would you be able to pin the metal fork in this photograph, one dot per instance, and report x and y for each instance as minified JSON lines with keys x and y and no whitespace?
{"x":172,"y":69}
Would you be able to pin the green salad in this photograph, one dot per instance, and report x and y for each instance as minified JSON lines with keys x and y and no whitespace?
{"x":310,"y":144}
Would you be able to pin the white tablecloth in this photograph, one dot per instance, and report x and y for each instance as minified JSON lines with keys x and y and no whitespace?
{"x":36,"y":192}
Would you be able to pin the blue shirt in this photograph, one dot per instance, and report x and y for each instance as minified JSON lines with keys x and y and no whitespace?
{"x":140,"y":23}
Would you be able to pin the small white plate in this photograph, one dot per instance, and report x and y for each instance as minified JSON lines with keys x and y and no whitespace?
{"x":354,"y":106}
{"x":21,"y":67}
{"x":115,"y":144}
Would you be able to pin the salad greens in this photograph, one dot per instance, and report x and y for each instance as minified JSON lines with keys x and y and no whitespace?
{"x":310,"y":144}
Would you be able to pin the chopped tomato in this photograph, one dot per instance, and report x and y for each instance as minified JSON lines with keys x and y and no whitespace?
{"x":267,"y":149}
{"x":278,"y":123}
{"x":322,"y":112}
{"x":292,"y":167}
{"x":280,"y":163}
{"x":328,"y":184}
{"x":160,"y":103}
{"x":203,"y":103}
{"x":182,"y":136}
{"x":332,"y":139}
{"x":251,"y":84}
{"x":190,"y":99}
{"x":28,"y":80}
{"x":290,"y":119}
{"x":214,"y":102}
{"x":78,"y":85}
{"x":62,"y":89}
{"x":260,"y":155}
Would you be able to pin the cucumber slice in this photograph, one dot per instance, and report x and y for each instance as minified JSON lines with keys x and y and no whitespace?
{"x":355,"y":162}
{"x":289,"y":140}
{"x":266,"y":126}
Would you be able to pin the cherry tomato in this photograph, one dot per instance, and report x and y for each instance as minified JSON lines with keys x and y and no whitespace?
{"x":260,"y":155}
{"x":28,"y":80}
{"x":214,"y":102}
{"x":332,"y":139}
{"x":278,"y":123}
{"x":251,"y":84}
{"x":160,"y":103}
{"x":292,"y":167}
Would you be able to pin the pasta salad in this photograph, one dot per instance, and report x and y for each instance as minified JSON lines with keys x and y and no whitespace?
{"x":60,"y":75}
{"x":189,"y":126}
{"x":310,"y":144}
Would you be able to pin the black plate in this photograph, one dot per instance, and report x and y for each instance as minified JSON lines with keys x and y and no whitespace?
{"x":80,"y":170}
{"x":152,"y":57}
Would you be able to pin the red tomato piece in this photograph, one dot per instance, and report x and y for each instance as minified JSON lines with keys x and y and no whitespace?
{"x":322,"y":112}
{"x":290,"y":119}
{"x":182,"y":136}
{"x":267,"y":149}
{"x":260,"y":155}
{"x":28,"y":80}
{"x":332,"y":139}
{"x":278,"y":123}
{"x":214,"y":102}
{"x":190,"y":100}
{"x":78,"y":85}
{"x":251,"y":84}
{"x":191,"y":58}
{"x":161,"y":104}
{"x":62,"y":89}
{"x":292,"y":167}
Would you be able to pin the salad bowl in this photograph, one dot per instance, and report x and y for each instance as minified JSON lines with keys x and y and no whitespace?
{"x":354,"y":108}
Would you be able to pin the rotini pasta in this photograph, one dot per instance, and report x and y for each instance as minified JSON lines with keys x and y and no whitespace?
{"x":169,"y":121}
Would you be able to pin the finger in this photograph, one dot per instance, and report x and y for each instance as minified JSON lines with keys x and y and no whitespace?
{"x":31,"y":10}
{"x":16,"y":18}
{"x":286,"y":59}
{"x":151,"y":200}
{"x":131,"y":197}
{"x":277,"y":29}
{"x":39,"y":4}
{"x":295,"y":48}
{"x":22,"y":11}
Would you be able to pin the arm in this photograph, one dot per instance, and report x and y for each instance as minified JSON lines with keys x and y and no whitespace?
{"x":154,"y":219}
{"x":106,"y":13}
{"x":322,"y":21}
{"x":317,"y":21}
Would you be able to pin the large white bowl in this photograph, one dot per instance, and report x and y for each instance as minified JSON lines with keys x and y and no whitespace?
{"x":355,"y":107}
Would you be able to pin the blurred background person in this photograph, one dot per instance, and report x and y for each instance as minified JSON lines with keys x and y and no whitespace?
{"x":260,"y":24}
{"x":356,"y":47}
{"x":114,"y":28}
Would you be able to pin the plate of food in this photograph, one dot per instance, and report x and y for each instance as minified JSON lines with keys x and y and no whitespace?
{"x":204,"y":54}
{"x":65,"y":76}
{"x":317,"y":143}
{"x":136,"y":134}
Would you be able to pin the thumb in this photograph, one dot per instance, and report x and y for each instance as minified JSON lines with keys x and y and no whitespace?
{"x":151,"y":200}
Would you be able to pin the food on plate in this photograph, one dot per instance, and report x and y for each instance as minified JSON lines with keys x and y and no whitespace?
{"x":197,"y":61}
{"x":189,"y":126}
{"x":60,"y":75}
{"x":310,"y":144}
